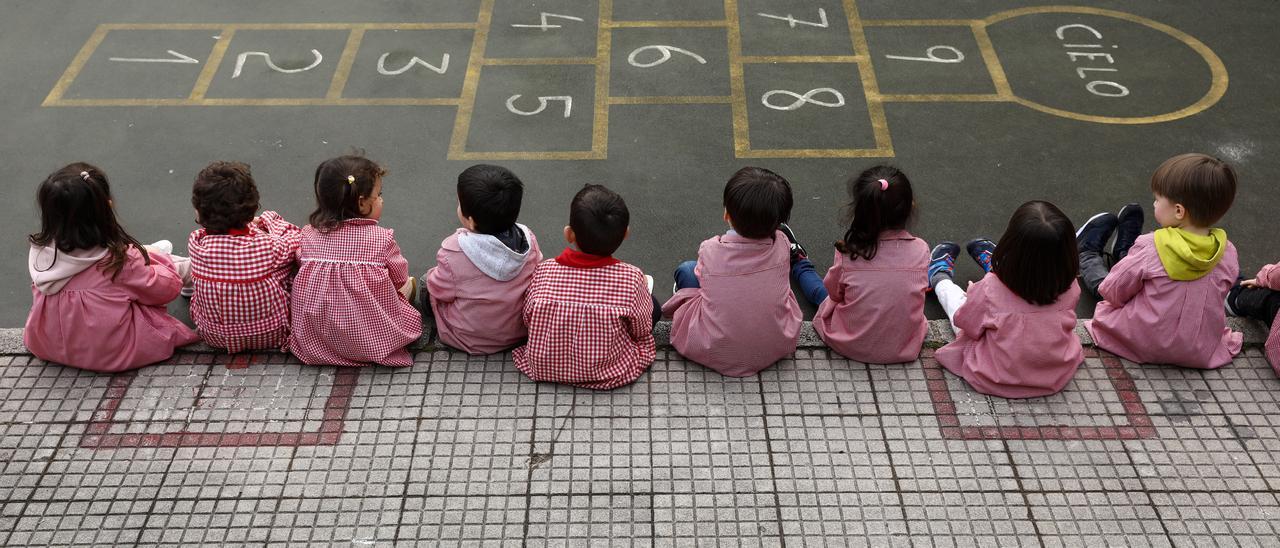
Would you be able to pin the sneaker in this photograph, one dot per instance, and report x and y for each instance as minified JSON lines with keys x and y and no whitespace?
{"x":981,"y":249}
{"x":1094,"y":233}
{"x":797,"y":251}
{"x":163,"y":246}
{"x":1128,"y":227}
{"x":187,"y":292}
{"x":942,"y":262}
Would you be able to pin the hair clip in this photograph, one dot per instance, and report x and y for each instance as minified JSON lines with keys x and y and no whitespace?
{"x":884,"y":185}
{"x":351,"y":179}
{"x":84,"y":175}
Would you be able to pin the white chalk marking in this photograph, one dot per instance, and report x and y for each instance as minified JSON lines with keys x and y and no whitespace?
{"x":801,"y":100}
{"x":542,"y":105}
{"x":666,"y":55}
{"x":544,"y":25}
{"x":931,"y":57}
{"x":382,"y":65}
{"x":791,"y":20}
{"x":177,"y":58}
{"x":266,"y":57}
{"x":1117,"y":90}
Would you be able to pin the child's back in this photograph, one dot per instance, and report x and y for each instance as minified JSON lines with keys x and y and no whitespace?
{"x":743,"y":317}
{"x":83,"y":317}
{"x":1147,"y":317}
{"x":875,"y":311}
{"x":588,"y":323}
{"x":346,"y":310}
{"x":1008,"y":347}
{"x":477,"y":290}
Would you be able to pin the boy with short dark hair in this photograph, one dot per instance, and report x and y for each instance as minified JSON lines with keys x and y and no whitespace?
{"x":1162,"y":301}
{"x":476,"y":290}
{"x":241,"y":265}
{"x":590,"y":316}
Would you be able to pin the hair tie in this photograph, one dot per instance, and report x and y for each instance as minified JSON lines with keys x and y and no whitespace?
{"x":351,"y":179}
{"x":884,"y":185}
{"x":84,"y":175}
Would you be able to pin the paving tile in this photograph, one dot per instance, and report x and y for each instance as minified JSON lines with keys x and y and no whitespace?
{"x":923,"y":460}
{"x":829,"y":454}
{"x":968,"y":519}
{"x":747,"y":519}
{"x":817,"y":382}
{"x":461,"y":386}
{"x":618,"y":520}
{"x":679,"y":388}
{"x":1219,"y":518}
{"x":470,"y":456}
{"x":1114,"y":518}
{"x":490,"y":520}
{"x":860,"y":519}
{"x":577,"y":455}
{"x":1073,"y":465}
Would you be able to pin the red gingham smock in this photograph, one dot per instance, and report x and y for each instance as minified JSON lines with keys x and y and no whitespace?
{"x":346,"y":307}
{"x":241,"y":281}
{"x":590,"y":322}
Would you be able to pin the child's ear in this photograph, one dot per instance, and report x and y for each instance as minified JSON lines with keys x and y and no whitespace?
{"x":627,"y":233}
{"x":569,"y":236}
{"x":727,"y":219}
{"x":1179,"y":212}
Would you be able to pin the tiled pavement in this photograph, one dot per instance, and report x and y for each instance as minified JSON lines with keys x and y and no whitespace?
{"x":211,"y":449}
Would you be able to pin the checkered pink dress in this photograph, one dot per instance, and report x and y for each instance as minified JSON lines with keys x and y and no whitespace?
{"x":589,"y":322}
{"x":346,"y":309}
{"x":1269,"y":277}
{"x":241,"y":280}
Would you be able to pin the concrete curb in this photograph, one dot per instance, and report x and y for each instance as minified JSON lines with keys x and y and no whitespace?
{"x":1255,"y":333}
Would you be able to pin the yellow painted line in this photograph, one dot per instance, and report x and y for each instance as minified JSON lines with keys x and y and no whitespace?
{"x":819,"y":153}
{"x":667,"y":24}
{"x":802,"y":58}
{"x":467,"y":102}
{"x":875,"y":107}
{"x":77,"y":64}
{"x":343,"y":72}
{"x":1217,"y":87}
{"x":992,"y":61}
{"x":262,"y":102}
{"x":211,"y":64}
{"x":673,"y":100}
{"x":944,"y":98}
{"x":604,"y":48}
{"x":499,"y":156}
{"x":737,"y":87}
{"x":919,"y":22}
{"x":513,"y":61}
{"x":287,"y":26}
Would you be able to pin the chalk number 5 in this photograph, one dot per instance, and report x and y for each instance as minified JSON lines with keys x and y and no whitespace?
{"x":542,"y":105}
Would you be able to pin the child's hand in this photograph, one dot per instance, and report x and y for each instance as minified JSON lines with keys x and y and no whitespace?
{"x":1251,"y":282}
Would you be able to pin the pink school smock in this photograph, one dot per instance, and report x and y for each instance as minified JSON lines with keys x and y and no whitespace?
{"x":875,"y":311}
{"x":82,"y":317}
{"x":1269,"y":277}
{"x":474,"y":311}
{"x":744,"y":317}
{"x":1148,"y":318}
{"x":1008,"y":347}
{"x":346,"y":309}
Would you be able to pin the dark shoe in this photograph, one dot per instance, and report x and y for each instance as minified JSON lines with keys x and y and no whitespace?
{"x":1247,"y":302}
{"x":797,"y":251}
{"x":1128,"y":227}
{"x":1094,"y":233}
{"x":942,"y":262}
{"x":981,"y":250}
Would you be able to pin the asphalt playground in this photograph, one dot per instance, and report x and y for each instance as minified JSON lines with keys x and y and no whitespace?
{"x":983,"y":104}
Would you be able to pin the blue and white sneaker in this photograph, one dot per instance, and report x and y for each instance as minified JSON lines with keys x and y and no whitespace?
{"x":1128,"y":227}
{"x":981,"y":250}
{"x":797,"y":251}
{"x":1092,"y":236}
{"x":942,"y":262}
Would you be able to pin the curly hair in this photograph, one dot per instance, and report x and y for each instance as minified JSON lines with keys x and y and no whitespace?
{"x":225,"y":196}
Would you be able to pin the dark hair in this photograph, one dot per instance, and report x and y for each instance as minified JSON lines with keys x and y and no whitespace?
{"x":491,"y":196}
{"x":76,"y":213}
{"x":874,"y":208}
{"x":1204,"y":185}
{"x":337,"y":197}
{"x":1036,"y":258}
{"x":758,"y":200}
{"x":225,"y":196}
{"x":599,"y":219}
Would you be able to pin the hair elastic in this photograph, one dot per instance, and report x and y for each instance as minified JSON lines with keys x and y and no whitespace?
{"x":351,"y":179}
{"x":884,"y":185}
{"x":84,"y":175}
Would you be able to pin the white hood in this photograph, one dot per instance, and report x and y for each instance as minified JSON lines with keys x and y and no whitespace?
{"x":492,"y":257}
{"x":52,"y":269}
